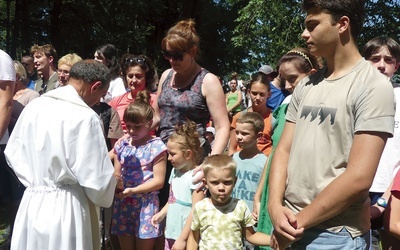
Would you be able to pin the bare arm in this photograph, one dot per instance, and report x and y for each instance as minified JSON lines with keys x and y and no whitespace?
{"x":375,"y":210}
{"x":232,"y":142}
{"x":160,"y":216}
{"x":214,"y":95}
{"x":193,"y":241}
{"x":180,"y":243}
{"x":6,"y":97}
{"x":159,"y":169}
{"x":257,"y":238}
{"x":156,"y":113}
{"x":258,"y":194}
{"x":283,"y":219}
{"x":392,"y":216}
{"x":117,"y":164}
{"x":354,"y":183}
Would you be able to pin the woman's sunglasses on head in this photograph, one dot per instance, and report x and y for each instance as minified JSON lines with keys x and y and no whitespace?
{"x":138,"y":60}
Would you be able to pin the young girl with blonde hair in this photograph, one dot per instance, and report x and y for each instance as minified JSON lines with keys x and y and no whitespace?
{"x":184,"y":152}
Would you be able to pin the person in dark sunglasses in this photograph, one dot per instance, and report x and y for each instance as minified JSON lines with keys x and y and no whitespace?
{"x":187,"y":91}
{"x":138,"y":73}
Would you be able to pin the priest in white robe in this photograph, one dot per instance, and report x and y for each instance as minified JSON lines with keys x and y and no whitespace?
{"x":57,"y":150}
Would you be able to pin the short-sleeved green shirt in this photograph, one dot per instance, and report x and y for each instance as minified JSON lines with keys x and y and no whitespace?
{"x":221,"y":227}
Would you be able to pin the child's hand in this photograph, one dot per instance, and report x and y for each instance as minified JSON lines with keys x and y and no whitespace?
{"x":127,"y":192}
{"x":179,"y":244}
{"x":157,"y":218}
{"x":256,"y":210}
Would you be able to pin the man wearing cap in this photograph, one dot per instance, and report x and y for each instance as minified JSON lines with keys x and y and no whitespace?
{"x":210,"y":134}
{"x":278,"y":92}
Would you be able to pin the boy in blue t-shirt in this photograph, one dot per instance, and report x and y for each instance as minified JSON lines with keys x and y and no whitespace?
{"x":250,"y":160}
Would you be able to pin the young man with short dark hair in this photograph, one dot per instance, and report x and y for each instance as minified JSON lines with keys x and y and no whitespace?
{"x":336,"y":127}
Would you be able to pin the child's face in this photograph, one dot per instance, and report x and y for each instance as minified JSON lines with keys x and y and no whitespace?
{"x":220,"y":184}
{"x":291,"y":75}
{"x":259,"y":94}
{"x":384,"y":62}
{"x":138,"y":131}
{"x":245,"y":135}
{"x":178,"y":157}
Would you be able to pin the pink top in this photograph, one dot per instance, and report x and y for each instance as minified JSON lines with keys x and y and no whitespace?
{"x":396,"y":183}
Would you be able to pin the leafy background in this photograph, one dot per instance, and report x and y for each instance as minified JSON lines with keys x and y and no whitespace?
{"x":236,"y":35}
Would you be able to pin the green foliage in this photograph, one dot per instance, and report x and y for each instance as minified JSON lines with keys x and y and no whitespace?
{"x":236,"y":35}
{"x":268,"y":29}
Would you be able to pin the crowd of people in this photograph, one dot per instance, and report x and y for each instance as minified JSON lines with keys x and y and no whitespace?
{"x":302,"y":156}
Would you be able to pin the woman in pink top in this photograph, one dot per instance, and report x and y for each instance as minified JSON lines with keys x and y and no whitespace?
{"x":138,"y":73}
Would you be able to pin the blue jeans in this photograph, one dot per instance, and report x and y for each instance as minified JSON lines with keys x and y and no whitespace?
{"x":319,"y":239}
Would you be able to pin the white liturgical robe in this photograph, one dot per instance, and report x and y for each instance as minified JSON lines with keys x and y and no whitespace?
{"x":58,"y":151}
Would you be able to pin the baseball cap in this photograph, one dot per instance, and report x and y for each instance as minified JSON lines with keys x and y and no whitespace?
{"x":211,"y":130}
{"x":266,"y":69}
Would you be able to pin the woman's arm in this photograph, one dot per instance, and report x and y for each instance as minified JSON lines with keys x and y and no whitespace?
{"x":214,"y":95}
{"x":159,"y":169}
{"x":156,"y":113}
{"x":232,"y":140}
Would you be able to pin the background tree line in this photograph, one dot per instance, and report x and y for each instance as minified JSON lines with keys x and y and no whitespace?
{"x":237,"y":35}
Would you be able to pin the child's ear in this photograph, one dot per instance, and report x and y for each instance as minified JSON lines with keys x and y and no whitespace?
{"x":259,"y":135}
{"x":204,"y":182}
{"x":188,"y":154}
{"x":269,"y":94}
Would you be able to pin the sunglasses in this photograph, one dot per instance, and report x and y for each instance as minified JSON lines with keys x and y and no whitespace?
{"x":138,"y":60}
{"x":175,"y":56}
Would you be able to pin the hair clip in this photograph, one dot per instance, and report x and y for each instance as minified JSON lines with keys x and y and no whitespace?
{"x":303,"y":55}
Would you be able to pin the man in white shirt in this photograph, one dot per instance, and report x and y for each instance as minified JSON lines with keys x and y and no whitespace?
{"x":57,"y":150}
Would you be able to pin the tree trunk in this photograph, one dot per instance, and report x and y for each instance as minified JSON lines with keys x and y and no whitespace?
{"x":55,"y":35}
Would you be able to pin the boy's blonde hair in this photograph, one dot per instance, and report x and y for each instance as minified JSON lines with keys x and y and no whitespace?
{"x":220,"y":163}
{"x":253,"y":118}
{"x":69,"y":59}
